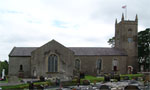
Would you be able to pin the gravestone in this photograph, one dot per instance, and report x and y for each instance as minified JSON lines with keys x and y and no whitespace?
{"x":78,"y":81}
{"x":131,"y":87}
{"x":106,"y":78}
{"x":13,"y":79}
{"x":86,"y":82}
{"x":140,"y":79}
{"x":133,"y":82}
{"x":117,"y":77}
{"x":126,"y":78}
{"x":3,"y":74}
{"x":112,"y":75}
{"x":42,"y":79}
{"x":147,"y":77}
{"x":82,"y":75}
{"x":31,"y":86}
{"x":104,"y":87}
{"x":57,"y":82}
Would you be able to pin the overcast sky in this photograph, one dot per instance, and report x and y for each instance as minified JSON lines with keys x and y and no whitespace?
{"x":73,"y":23}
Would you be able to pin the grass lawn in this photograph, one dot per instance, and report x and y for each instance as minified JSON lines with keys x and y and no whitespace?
{"x":22,"y":86}
{"x":6,"y":81}
{"x":93,"y":79}
{"x":132,"y":76}
{"x":100,"y":79}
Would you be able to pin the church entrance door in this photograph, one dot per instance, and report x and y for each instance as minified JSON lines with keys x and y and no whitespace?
{"x":34,"y":73}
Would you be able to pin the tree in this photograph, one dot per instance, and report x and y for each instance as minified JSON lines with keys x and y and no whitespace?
{"x":144,"y":48}
{"x":4,"y":65}
{"x":111,"y":41}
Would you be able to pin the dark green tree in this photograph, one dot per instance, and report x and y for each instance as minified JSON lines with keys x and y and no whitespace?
{"x":3,"y":65}
{"x":111,"y":41}
{"x":144,"y":48}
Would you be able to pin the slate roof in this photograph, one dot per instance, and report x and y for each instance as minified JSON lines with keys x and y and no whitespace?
{"x":22,"y":51}
{"x":98,"y":51}
{"x":26,"y":51}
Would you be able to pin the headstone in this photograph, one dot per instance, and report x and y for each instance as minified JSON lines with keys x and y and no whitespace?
{"x":38,"y":87}
{"x":140,"y":79}
{"x":31,"y":86}
{"x":3,"y":74}
{"x":126,"y":78}
{"x":112,"y":75}
{"x":106,"y":78}
{"x":117,"y":77}
{"x":131,"y":87}
{"x":13,"y":79}
{"x":42,"y":78}
{"x":133,"y":81}
{"x":104,"y":87}
{"x":147,"y":77}
{"x":78,"y":80}
{"x":57,"y":82}
{"x":86,"y":82}
{"x":82,"y":75}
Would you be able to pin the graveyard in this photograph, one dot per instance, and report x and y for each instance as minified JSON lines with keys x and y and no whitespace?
{"x":106,"y":82}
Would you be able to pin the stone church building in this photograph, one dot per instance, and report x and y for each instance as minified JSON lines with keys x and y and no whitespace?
{"x":54,"y":59}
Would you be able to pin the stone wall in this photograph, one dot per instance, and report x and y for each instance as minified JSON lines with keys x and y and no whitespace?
{"x":88,"y":64}
{"x":14,"y":66}
{"x":40,"y":60}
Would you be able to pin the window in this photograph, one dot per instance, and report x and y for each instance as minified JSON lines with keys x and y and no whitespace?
{"x":129,"y":40}
{"x":52,"y":63}
{"x":77,"y":64}
{"x":115,"y":64}
{"x":34,"y":71}
{"x":99,"y":64}
{"x":21,"y":68}
{"x":129,"y":32}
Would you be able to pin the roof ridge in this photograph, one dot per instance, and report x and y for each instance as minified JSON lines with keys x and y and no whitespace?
{"x":88,"y":47}
{"x":27,"y":47}
{"x":11,"y":51}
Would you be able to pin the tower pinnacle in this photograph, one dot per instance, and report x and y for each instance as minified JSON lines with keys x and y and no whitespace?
{"x":136,"y":18}
{"x":122,"y":17}
{"x":116,"y":21}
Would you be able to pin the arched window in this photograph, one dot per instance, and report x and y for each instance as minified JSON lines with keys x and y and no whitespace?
{"x":130,"y":31}
{"x":52,"y":63}
{"x":77,"y":64}
{"x":115,"y":65}
{"x":34,"y":72}
{"x":21,"y":68}
{"x":99,"y":64}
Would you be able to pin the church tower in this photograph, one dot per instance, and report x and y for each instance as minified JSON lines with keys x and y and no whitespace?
{"x":126,"y":38}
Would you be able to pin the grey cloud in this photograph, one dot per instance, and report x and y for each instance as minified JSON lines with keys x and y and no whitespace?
{"x":21,"y":30}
